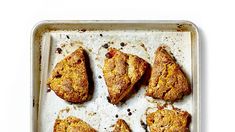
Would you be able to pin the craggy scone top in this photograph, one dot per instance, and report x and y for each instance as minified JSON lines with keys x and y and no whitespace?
{"x":72,"y":124}
{"x":168,"y":121}
{"x":121,"y":72}
{"x":167,"y":80}
{"x":69,"y":78}
{"x":121,"y":126}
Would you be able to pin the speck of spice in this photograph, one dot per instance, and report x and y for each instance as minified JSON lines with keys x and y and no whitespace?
{"x":129,"y":113}
{"x":101,"y":35}
{"x":116,"y":115}
{"x":128,"y":110}
{"x":106,"y":46}
{"x":67,"y":36}
{"x":122,"y":44}
{"x":99,"y":77}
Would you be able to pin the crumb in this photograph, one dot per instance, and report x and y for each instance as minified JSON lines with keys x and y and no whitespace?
{"x":142,"y":45}
{"x":108,"y":55}
{"x":106,"y":46}
{"x":58,"y":50}
{"x":40,"y":57}
{"x":92,"y":113}
{"x":48,"y":90}
{"x":67,"y":110}
{"x":108,"y":99}
{"x":144,"y":125}
{"x":160,"y":107}
{"x":33,"y":102}
{"x":74,"y":107}
{"x":83,"y":30}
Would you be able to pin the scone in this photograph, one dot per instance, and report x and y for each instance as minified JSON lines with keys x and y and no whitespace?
{"x":121,"y":72}
{"x":167,"y":80}
{"x":69,"y":78}
{"x":72,"y":124}
{"x":168,"y":121}
{"x":121,"y":126}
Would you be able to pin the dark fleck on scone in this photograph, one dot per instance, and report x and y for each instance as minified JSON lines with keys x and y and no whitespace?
{"x":168,"y":121}
{"x":72,"y":124}
{"x":69,"y":78}
{"x":167,"y":80}
{"x":121,"y":126}
{"x":121,"y":72}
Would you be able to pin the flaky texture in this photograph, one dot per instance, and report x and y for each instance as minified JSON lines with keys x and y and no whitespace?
{"x":168,"y":121}
{"x":121,"y":72}
{"x":121,"y":126}
{"x":69,"y":78}
{"x":72,"y":124}
{"x":167,"y":80}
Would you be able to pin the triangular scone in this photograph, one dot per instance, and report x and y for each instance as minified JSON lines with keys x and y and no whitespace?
{"x":121,"y":73}
{"x":72,"y":124}
{"x":121,"y":126}
{"x":69,"y":78}
{"x":167,"y":80}
{"x":168,"y":121}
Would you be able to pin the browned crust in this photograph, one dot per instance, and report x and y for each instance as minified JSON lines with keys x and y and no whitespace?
{"x":168,"y":121}
{"x":167,"y":80}
{"x":69,"y":78}
{"x":121,"y":126}
{"x":121,"y":72}
{"x":72,"y":124}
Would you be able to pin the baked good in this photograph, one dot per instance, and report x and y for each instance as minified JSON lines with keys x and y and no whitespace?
{"x":121,"y":126}
{"x":121,"y":72}
{"x":168,"y":121}
{"x":167,"y":81}
{"x":72,"y":124}
{"x":69,"y":78}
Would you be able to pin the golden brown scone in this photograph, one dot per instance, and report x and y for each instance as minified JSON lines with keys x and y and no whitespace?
{"x":69,"y":78}
{"x":167,"y":80}
{"x":121,"y":126}
{"x":168,"y":121}
{"x":121,"y":72}
{"x":72,"y":124}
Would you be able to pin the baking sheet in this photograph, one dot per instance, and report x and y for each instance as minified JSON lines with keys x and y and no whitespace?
{"x":98,"y":112}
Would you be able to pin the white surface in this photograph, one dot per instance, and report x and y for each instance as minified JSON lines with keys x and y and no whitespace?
{"x":215,"y":20}
{"x":105,"y":112}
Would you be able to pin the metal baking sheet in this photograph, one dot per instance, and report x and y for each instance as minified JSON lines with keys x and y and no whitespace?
{"x":141,"y":38}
